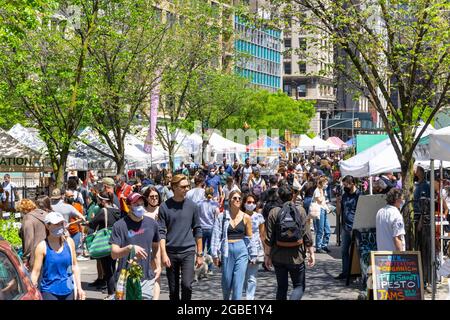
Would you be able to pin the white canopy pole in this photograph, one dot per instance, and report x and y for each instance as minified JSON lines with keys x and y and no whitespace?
{"x":433,"y":232}
{"x":371,"y":185}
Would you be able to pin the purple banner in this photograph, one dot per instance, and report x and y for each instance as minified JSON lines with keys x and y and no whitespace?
{"x":154,"y":102}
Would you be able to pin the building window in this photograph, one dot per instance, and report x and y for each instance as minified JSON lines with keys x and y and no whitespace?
{"x":301,"y":90}
{"x":302,"y":66}
{"x":287,"y":43}
{"x":287,"y":68}
{"x":302,"y":44}
{"x":287,"y":89}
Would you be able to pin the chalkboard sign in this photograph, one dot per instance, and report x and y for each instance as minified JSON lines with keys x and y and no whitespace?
{"x":397,"y":275}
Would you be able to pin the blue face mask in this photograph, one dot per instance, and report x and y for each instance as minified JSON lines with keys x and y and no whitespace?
{"x":138,"y":211}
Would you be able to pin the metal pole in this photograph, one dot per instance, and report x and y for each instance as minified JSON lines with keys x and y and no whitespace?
{"x":433,"y":232}
{"x":371,"y":185}
{"x":441,"y":253}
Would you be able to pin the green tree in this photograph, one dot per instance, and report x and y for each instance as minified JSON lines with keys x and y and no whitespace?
{"x":194,"y":50}
{"x":43,"y":69}
{"x":267,"y":111}
{"x":215,"y":99}
{"x":124,"y":57}
{"x":399,"y":53}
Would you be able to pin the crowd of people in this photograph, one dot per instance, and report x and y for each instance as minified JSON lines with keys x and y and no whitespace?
{"x":236,"y":218}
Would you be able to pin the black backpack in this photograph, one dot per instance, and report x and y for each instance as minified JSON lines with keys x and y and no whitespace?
{"x":290,"y":227}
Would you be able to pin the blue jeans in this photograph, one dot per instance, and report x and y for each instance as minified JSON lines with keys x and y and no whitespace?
{"x":297,"y":273}
{"x":206,"y":240}
{"x":234,"y":268}
{"x":76,"y":238}
{"x":322,"y":230}
{"x":250,"y":280}
{"x":307,"y":204}
{"x":346,"y":241}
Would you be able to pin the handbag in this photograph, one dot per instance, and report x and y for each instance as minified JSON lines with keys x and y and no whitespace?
{"x":98,"y":242}
{"x":314,"y":210}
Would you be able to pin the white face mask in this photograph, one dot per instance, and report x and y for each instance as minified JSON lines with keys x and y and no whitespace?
{"x":250,"y":206}
{"x":139,"y":211}
{"x":58,"y":232}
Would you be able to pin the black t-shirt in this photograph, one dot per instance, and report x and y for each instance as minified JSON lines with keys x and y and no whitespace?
{"x":143,"y":233}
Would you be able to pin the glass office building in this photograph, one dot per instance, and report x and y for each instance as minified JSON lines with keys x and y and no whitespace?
{"x":258,"y":54}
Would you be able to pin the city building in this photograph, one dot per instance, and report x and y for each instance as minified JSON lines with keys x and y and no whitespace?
{"x":258,"y":50}
{"x":307,"y":72}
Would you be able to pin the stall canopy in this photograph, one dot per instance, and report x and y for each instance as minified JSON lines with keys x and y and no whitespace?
{"x":30,"y":138}
{"x":338,"y":142}
{"x":219,"y":144}
{"x":322,"y":145}
{"x":306,"y":143}
{"x":377,"y":159}
{"x":265,"y":142}
{"x":17,"y":157}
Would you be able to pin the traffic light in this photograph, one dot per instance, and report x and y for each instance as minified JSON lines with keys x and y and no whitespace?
{"x":357,"y":124}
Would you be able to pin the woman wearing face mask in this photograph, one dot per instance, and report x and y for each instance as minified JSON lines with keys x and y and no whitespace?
{"x":99,"y":222}
{"x":232,"y":239}
{"x":259,"y":234}
{"x":152,"y":201}
{"x":322,"y":226}
{"x":56,"y":257}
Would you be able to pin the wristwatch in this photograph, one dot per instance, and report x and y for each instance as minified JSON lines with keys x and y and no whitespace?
{"x":199,"y":254}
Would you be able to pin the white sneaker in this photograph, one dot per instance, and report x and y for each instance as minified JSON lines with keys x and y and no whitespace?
{"x":81,"y":258}
{"x":110,"y":297}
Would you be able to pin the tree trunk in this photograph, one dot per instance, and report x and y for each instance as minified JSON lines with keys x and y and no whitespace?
{"x":60,"y":168}
{"x":407,"y":167}
{"x":120,"y":165}
{"x":171,"y":156}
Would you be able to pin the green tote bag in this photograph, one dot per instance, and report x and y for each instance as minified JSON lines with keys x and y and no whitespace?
{"x":100,"y":247}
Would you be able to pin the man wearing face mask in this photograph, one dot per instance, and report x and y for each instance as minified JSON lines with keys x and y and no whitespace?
{"x":390,"y":225}
{"x":138,"y":232}
{"x":63,"y":206}
{"x":214,"y":181}
{"x":348,"y":205}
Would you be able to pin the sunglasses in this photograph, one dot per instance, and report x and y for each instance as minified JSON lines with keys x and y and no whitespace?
{"x":250,"y":202}
{"x":236,"y":198}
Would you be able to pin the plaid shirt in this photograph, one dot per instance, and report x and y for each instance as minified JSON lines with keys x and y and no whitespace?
{"x":219,"y":239}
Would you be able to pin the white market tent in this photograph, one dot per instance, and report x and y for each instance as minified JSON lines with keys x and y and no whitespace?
{"x":17,"y":157}
{"x":219,"y":144}
{"x":322,"y":145}
{"x":30,"y":138}
{"x":437,"y":147}
{"x":378,"y":159}
{"x":138,"y":158}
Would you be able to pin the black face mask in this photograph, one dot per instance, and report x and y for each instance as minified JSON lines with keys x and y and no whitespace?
{"x":70,"y":200}
{"x":416,"y":178}
{"x":347,"y":189}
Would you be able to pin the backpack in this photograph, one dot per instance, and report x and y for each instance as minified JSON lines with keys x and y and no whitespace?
{"x":290,"y":227}
{"x":257,"y":188}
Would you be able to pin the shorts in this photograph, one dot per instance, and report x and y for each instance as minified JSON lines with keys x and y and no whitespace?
{"x":147,"y":288}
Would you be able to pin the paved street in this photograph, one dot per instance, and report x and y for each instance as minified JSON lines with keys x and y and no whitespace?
{"x":319,"y":280}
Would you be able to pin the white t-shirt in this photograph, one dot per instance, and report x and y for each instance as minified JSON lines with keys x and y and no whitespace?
{"x":197,"y":195}
{"x":321,"y":197}
{"x":227,"y":191}
{"x":9,"y":187}
{"x":389,"y":224}
{"x":246,"y":172}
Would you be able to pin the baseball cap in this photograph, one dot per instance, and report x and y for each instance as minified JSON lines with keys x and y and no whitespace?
{"x":54,"y":218}
{"x":108,"y":182}
{"x":134,"y":197}
{"x":56,"y":194}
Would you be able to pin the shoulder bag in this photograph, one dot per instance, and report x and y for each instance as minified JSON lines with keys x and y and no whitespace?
{"x":98,"y":242}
